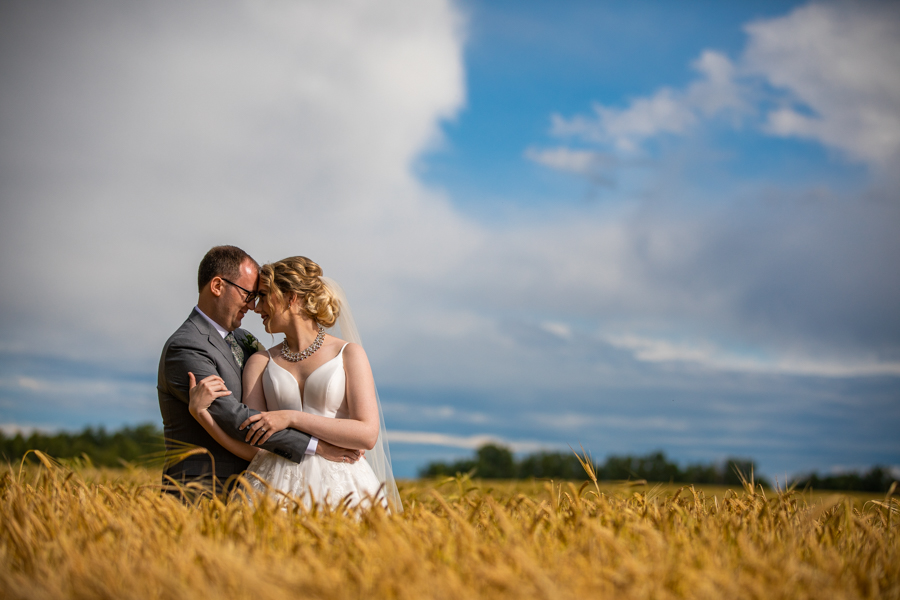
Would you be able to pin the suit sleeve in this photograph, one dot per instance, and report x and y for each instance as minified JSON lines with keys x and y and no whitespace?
{"x":227,"y":411}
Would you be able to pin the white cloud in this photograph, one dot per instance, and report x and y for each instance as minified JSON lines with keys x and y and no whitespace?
{"x":29,"y":383}
{"x":401,"y":411}
{"x":840,"y":64}
{"x":718,"y":90}
{"x":625,"y":129}
{"x":836,"y":68}
{"x":582,"y":162}
{"x":709,"y":356}
{"x":79,"y":387}
{"x":471,"y":442}
{"x":570,"y":421}
{"x":560,"y":330}
{"x":136,"y":139}
{"x":668,"y":111}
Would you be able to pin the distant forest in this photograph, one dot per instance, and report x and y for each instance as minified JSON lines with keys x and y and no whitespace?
{"x":496,"y":462}
{"x":102,"y":448}
{"x":133,"y":445}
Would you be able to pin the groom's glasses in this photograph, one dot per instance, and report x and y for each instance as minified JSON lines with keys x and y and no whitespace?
{"x":250,"y":296}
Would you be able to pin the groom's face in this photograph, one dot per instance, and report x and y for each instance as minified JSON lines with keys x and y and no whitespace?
{"x":234,"y":300}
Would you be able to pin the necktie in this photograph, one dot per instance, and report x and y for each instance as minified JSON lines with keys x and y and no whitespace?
{"x":235,"y":349}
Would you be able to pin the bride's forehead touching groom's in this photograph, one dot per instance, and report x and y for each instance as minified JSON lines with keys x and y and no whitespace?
{"x":231,"y":295}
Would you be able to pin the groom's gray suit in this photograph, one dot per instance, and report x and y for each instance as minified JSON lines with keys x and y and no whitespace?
{"x":197,"y":347}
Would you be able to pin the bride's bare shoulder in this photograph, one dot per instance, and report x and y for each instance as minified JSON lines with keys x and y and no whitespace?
{"x":257,"y":359}
{"x":354,"y":352}
{"x":336,"y":344}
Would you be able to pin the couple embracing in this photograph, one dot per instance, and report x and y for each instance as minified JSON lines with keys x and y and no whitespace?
{"x":301,"y":418}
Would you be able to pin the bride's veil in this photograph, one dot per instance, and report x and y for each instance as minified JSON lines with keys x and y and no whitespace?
{"x":379,"y":457}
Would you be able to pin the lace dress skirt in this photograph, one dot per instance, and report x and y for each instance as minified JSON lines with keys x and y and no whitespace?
{"x":315,"y":480}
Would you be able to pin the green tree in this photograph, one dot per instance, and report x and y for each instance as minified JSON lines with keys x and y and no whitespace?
{"x":102,"y":448}
{"x":491,"y":462}
{"x":551,"y":465}
{"x":440,"y":469}
{"x":495,"y":462}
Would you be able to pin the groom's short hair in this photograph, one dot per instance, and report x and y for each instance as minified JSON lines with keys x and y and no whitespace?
{"x":222,"y":261}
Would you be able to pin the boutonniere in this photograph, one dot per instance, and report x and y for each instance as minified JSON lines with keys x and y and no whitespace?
{"x":254,"y":343}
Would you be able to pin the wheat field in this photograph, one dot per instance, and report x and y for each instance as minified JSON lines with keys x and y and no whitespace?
{"x":80,"y":532}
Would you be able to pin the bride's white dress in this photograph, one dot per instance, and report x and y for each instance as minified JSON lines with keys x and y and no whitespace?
{"x":313,"y":479}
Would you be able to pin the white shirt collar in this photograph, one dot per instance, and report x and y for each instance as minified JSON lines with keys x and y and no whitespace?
{"x":222,"y":331}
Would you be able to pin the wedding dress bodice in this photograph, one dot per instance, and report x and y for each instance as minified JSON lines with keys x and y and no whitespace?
{"x":313,"y":479}
{"x":324,"y":389}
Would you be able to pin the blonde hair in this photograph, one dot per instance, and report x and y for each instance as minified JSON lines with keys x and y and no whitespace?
{"x":299,"y":276}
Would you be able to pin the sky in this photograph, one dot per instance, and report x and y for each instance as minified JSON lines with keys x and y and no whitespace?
{"x":627,"y":226}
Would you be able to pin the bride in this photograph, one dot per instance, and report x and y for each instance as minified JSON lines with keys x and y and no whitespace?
{"x":314,"y":382}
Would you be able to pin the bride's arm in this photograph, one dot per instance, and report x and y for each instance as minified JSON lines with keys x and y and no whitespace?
{"x":358,"y":431}
{"x":212,"y":387}
{"x":254,"y":396}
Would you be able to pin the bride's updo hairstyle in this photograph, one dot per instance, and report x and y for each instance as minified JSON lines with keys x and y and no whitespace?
{"x":301,"y":276}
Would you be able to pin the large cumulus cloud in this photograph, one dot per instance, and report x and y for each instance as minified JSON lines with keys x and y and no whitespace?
{"x":137,"y":136}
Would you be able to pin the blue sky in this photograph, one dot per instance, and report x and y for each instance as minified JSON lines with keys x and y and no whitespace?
{"x":527,"y":61}
{"x":630,"y":226}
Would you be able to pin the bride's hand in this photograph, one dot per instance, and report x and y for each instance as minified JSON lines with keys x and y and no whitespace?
{"x":260,"y":427}
{"x":338,"y":454}
{"x":205,"y":393}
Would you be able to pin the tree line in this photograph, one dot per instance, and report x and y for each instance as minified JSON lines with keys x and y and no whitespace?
{"x":492,"y":461}
{"x":102,"y":448}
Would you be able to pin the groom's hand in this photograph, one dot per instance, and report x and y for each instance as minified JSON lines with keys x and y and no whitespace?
{"x":336,"y":453}
{"x":206,"y":392}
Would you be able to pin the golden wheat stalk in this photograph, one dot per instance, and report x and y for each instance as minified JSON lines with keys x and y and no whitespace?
{"x":79,"y":532}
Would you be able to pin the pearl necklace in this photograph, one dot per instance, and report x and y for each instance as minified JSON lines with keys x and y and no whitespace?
{"x":286,"y":353}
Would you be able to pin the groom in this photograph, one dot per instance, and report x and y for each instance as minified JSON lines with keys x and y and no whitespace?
{"x":209,"y":344}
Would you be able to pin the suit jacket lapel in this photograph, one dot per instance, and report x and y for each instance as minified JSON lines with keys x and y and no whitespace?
{"x":215,"y":338}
